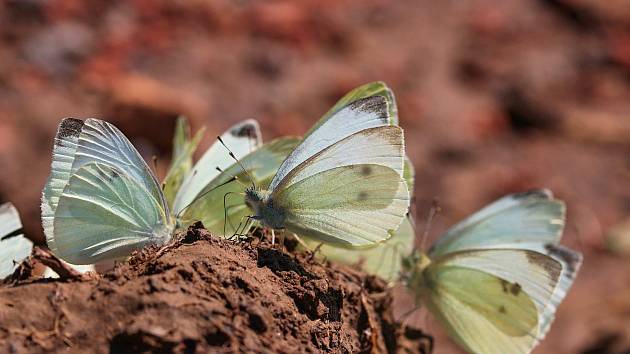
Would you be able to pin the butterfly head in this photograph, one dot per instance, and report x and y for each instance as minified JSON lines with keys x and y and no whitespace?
{"x":413,"y":267}
{"x":261,"y":202}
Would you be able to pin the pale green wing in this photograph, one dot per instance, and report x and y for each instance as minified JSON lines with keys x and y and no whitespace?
{"x":261,"y":164}
{"x":64,"y":148}
{"x":377,"y":88}
{"x":356,"y":205}
{"x":497,"y":300}
{"x":182,"y":160}
{"x":571,"y":262}
{"x":385,"y":259}
{"x":105,"y":214}
{"x":14,"y":248}
{"x":526,"y":218}
{"x":241,"y":139}
{"x":359,"y":115}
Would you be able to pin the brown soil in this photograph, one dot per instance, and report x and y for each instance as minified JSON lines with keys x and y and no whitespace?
{"x":203,"y":294}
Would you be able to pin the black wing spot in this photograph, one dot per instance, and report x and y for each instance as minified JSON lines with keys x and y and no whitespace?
{"x":248,"y":130}
{"x":68,"y":127}
{"x":515,"y":289}
{"x":572,"y":259}
{"x":372,"y":104}
{"x":502,"y":309}
{"x":504,"y":286}
{"x":363,"y":195}
{"x":114,"y":175}
{"x":366,"y":170}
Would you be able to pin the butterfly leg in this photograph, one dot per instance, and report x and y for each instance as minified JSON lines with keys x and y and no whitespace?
{"x":238,"y":232}
{"x":281,"y":240}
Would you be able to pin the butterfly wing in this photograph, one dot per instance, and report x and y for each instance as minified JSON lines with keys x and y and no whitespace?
{"x":377,"y":88}
{"x":495,"y":300}
{"x":385,"y":259}
{"x":241,"y":138}
{"x":182,"y":160}
{"x":261,"y":164}
{"x":13,"y":248}
{"x":356,"y":205}
{"x":105,"y":214}
{"x":95,"y":143}
{"x":64,"y":149}
{"x":528,"y":218}
{"x":359,"y":115}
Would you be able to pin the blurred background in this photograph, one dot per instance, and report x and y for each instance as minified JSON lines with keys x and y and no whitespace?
{"x":494,"y":96}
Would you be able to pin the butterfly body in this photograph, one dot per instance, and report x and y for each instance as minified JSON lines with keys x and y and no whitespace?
{"x":265,"y":210}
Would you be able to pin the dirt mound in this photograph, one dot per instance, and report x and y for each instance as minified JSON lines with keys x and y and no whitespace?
{"x":204,"y":294}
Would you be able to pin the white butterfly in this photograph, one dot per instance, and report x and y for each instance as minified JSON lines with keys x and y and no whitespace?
{"x":494,"y":280}
{"x":14,"y":248}
{"x":384,"y":259}
{"x":101,"y":200}
{"x":343,"y":184}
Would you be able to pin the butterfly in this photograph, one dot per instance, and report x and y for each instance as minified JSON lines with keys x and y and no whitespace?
{"x":101,"y":200}
{"x":14,"y":247}
{"x":494,"y":280}
{"x":343,"y":184}
{"x":203,"y":192}
{"x":387,"y":254}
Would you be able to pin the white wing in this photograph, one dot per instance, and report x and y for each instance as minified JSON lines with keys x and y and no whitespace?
{"x":82,"y":142}
{"x":102,"y":142}
{"x":527,"y":218}
{"x":105,"y":214}
{"x":376,"y":88}
{"x":497,"y":300}
{"x":65,"y":146}
{"x":380,"y":146}
{"x":362,"y":114}
{"x":241,"y":138}
{"x":13,"y":248}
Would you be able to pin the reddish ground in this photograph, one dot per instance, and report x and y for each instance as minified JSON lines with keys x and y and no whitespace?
{"x":494,"y":96}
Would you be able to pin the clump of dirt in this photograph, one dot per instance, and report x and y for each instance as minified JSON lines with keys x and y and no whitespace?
{"x":205,"y":294}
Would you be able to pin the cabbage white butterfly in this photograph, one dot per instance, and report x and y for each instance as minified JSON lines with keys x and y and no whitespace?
{"x":101,"y":200}
{"x":14,"y":247}
{"x":494,"y":280}
{"x":387,"y":255}
{"x":203,"y":194}
{"x":343,"y":184}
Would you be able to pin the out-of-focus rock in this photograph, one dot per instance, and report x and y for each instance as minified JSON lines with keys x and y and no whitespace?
{"x":618,"y":238}
{"x":146,"y":109}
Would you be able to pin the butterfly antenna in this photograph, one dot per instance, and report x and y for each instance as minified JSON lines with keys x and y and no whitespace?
{"x":204,"y":193}
{"x":237,"y":161}
{"x":435,"y":208}
{"x":238,"y":180}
